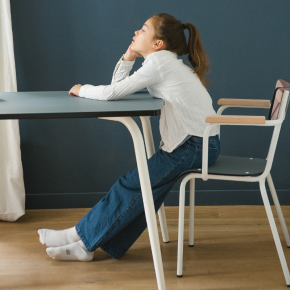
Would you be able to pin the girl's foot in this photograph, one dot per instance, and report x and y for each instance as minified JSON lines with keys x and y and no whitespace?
{"x":73,"y":252}
{"x":52,"y":238}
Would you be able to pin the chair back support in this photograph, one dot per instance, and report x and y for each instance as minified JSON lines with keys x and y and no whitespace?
{"x":281,"y":115}
{"x":280,"y":87}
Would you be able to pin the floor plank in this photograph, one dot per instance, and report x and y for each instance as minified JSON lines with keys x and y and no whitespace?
{"x":234,"y":249}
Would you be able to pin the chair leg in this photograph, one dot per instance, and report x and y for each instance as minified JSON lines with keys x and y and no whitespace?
{"x":274,"y":231}
{"x":163,"y":224}
{"x":180,"y":229}
{"x":191,"y":212}
{"x":278,"y":209}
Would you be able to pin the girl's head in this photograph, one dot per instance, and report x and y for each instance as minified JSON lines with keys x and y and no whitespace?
{"x":165,"y":32}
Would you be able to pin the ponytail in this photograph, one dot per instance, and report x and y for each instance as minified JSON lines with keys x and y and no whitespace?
{"x":196,"y":54}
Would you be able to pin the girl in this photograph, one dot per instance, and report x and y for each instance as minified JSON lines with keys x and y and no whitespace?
{"x":117,"y":220}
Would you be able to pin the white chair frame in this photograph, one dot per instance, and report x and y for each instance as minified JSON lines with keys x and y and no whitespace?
{"x":261,"y":179}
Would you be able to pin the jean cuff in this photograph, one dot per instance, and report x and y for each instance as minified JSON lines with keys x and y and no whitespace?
{"x":111,"y":254}
{"x":80,"y":234}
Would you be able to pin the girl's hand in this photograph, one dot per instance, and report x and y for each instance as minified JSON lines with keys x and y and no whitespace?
{"x":130,"y":55}
{"x":75,"y":90}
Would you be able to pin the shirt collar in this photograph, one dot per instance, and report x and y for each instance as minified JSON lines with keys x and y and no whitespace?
{"x":161,"y":53}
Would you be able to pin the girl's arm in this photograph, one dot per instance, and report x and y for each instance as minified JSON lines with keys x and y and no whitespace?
{"x":125,"y":64}
{"x":145,"y":76}
{"x":122,"y":70}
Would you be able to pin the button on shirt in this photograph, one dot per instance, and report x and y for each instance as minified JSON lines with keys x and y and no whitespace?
{"x":186,"y":100}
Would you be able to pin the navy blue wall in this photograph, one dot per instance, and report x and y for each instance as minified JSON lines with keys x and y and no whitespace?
{"x":74,"y":162}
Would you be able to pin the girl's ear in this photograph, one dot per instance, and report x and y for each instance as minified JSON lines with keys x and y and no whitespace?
{"x":159,"y":44}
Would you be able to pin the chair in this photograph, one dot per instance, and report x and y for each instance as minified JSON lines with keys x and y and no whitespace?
{"x":240,"y":168}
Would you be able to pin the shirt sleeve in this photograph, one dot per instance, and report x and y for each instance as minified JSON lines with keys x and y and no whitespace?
{"x":122,"y":70}
{"x":145,"y":76}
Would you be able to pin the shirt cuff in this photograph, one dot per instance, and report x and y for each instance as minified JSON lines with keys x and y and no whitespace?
{"x":82,"y":91}
{"x":126,"y":64}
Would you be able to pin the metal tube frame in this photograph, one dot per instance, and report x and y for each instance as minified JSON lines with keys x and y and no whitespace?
{"x":261,"y":179}
{"x":146,"y":195}
{"x":150,"y":149}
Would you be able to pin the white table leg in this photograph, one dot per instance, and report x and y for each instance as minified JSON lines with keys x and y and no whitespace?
{"x":147,"y":132}
{"x":146,"y":195}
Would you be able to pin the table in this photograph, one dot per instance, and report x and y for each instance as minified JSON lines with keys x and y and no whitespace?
{"x":59,"y":104}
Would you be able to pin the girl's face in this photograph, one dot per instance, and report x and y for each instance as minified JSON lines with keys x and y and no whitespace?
{"x":143,"y":41}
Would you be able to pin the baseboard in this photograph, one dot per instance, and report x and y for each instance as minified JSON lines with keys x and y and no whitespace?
{"x":202,"y":197}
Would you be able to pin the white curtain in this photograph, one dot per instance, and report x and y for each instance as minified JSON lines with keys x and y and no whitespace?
{"x":12,"y":193}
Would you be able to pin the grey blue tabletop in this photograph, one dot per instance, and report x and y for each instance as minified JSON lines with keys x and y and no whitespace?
{"x":59,"y":104}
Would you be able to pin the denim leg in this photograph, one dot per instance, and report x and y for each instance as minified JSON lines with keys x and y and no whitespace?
{"x":118,"y":245}
{"x":123,"y":204}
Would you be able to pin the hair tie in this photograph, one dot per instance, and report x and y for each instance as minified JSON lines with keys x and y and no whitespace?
{"x":184,"y":27}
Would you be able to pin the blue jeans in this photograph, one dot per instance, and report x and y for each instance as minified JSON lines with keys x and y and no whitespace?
{"x":118,"y":219}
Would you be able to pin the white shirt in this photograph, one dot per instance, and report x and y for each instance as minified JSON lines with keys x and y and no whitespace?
{"x":187,"y":102}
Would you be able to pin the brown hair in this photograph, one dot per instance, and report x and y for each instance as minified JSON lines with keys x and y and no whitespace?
{"x":170,"y":30}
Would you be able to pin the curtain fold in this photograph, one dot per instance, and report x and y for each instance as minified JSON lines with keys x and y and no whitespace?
{"x":12,"y":192}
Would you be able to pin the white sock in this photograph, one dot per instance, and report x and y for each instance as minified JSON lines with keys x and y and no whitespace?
{"x":52,"y":238}
{"x":76,"y":251}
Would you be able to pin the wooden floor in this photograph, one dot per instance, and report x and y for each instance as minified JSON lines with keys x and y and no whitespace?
{"x":234,"y":249}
